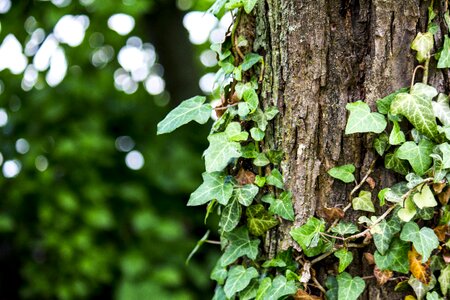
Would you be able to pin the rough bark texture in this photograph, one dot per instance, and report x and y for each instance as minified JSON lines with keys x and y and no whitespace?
{"x":321,"y":55}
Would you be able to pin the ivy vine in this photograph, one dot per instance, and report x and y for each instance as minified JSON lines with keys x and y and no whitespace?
{"x":243,"y":184}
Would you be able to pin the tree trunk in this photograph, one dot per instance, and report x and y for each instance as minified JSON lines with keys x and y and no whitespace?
{"x":319,"y":56}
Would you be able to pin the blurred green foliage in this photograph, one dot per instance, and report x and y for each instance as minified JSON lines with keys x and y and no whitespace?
{"x":86,"y":226}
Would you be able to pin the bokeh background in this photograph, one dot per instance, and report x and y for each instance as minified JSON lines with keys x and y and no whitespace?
{"x":92,"y":202}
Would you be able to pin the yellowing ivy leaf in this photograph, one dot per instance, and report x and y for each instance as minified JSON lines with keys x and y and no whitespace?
{"x":259,"y":220}
{"x":363,"y":202}
{"x":362,"y":120}
{"x":423,"y":43}
{"x":345,"y":258}
{"x":424,"y":198}
{"x":419,"y":269}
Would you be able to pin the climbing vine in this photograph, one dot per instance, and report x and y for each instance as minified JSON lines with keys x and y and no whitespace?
{"x":407,"y":243}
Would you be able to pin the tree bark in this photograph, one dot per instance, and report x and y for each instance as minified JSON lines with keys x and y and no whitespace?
{"x":319,"y":56}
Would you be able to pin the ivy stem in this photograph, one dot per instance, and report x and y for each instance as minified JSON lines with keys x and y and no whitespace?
{"x":259,"y":151}
{"x":318,"y":285}
{"x":226,"y":107}
{"x":414,"y":74}
{"x":323,"y":256}
{"x":425,"y":71}
{"x":212,"y":242}
{"x":233,"y":34}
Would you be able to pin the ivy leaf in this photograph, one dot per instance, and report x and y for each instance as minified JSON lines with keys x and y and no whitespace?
{"x":251,"y":98}
{"x":259,"y":220}
{"x":257,"y":134}
{"x":189,"y":110}
{"x":349,"y":288}
{"x":441,"y":108}
{"x":444,"y":59}
{"x":275,"y":178}
{"x":261,"y":160}
{"x":392,"y":162}
{"x":222,"y":148}
{"x":343,"y":173}
{"x":332,"y":286}
{"x":444,"y":280}
{"x":250,"y":291}
{"x":271,"y":112}
{"x":283,"y":206}
{"x":343,"y":228}
{"x":396,"y":258}
{"x":424,"y":239}
{"x":280,"y":287}
{"x":248,"y":5}
{"x":308,"y":235}
{"x":419,"y":269}
{"x":231,"y":215}
{"x":381,"y":143}
{"x":214,"y":186}
{"x":383,"y":234}
{"x":239,"y":245}
{"x":384,"y":105}
{"x":238,"y":279}
{"x":216,"y":7}
{"x":250,"y":59}
{"x":424,"y":198}
{"x":264,"y":286}
{"x":423,"y":43}
{"x":363,"y":202}
{"x":445,"y":149}
{"x":260,"y":118}
{"x":420,"y":288}
{"x":345,"y":258}
{"x":408,"y":212}
{"x":397,"y":136}
{"x":417,"y":108}
{"x":219,"y":294}
{"x":246,"y":194}
{"x":362,"y":120}
{"x":433,"y":296}
{"x":417,"y":155}
{"x":219,"y":274}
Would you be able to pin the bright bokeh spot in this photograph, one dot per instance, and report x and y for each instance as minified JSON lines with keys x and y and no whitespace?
{"x":71,"y":29}
{"x":5,"y":5}
{"x":58,"y":68}
{"x":11,"y":168}
{"x":124,"y":143}
{"x":199,"y":25}
{"x":11,"y":56}
{"x":3,"y":117}
{"x":22,"y":146}
{"x":155,"y":85}
{"x":41,"y":163}
{"x":121,"y":23}
{"x":206,"y":82}
{"x":208,"y":58}
{"x":134,"y":160}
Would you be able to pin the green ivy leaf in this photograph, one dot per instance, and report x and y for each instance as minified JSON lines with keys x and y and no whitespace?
{"x":433,"y":296}
{"x":349,"y":288}
{"x":397,"y":136}
{"x":260,"y":180}
{"x":343,"y":173}
{"x":260,"y":119}
{"x":423,"y":239}
{"x":384,"y":105}
{"x":345,"y":258}
{"x":239,"y":245}
{"x":251,"y":98}
{"x":271,"y":112}
{"x":423,"y":43}
{"x":444,"y":280}
{"x":223,"y":147}
{"x":219,"y":294}
{"x":219,"y":274}
{"x":216,"y":7}
{"x":261,"y":160}
{"x":275,"y":156}
{"x":250,"y":291}
{"x":444,"y":59}
{"x":238,"y":279}
{"x":381,"y":143}
{"x":424,"y":198}
{"x":264,"y":286}
{"x":363,"y":202}
{"x":383,"y":234}
{"x":189,"y":110}
{"x":257,"y":134}
{"x":248,"y":5}
{"x":231,"y":215}
{"x":445,"y":149}
{"x":392,"y":162}
{"x":280,"y":287}
{"x":259,"y":220}
{"x":343,"y":228}
{"x":249,"y":151}
{"x":420,"y":288}
{"x":250,"y":59}
{"x":214,"y":186}
{"x":396,"y":258}
{"x":408,"y":212}
{"x":308,"y":235}
{"x":332,"y":288}
{"x":275,"y":178}
{"x":417,"y":155}
{"x":362,"y":120}
{"x":441,"y":109}
{"x":283,"y":206}
{"x":246,"y":194}
{"x":417,"y":108}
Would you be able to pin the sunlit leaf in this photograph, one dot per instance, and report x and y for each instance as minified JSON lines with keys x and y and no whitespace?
{"x":363,"y":202}
{"x":362,"y":120}
{"x":189,"y":110}
{"x":397,"y":136}
{"x":424,"y":239}
{"x":350,"y":288}
{"x":345,"y":258}
{"x":238,"y":279}
{"x":396,"y":258}
{"x":444,"y":59}
{"x":246,"y":194}
{"x":214,"y":186}
{"x":231,"y":215}
{"x":444,"y":280}
{"x":424,"y":198}
{"x":343,"y":173}
{"x":423,"y":43}
{"x":343,"y":228}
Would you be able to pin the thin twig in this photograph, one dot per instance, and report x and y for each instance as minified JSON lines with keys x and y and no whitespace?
{"x":371,"y":167}
{"x":414,"y":74}
{"x":233,"y":34}
{"x":318,"y":285}
{"x":323,"y":256}
{"x":213,"y":242}
{"x":226,"y":107}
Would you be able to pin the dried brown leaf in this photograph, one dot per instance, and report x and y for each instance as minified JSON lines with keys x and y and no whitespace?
{"x":244,"y":177}
{"x":444,"y":196}
{"x":369,"y":257}
{"x":438,"y":187}
{"x":303,"y":295}
{"x":382,"y":276}
{"x":331,"y":214}
{"x":371,"y":182}
{"x":441,"y":232}
{"x":420,"y":270}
